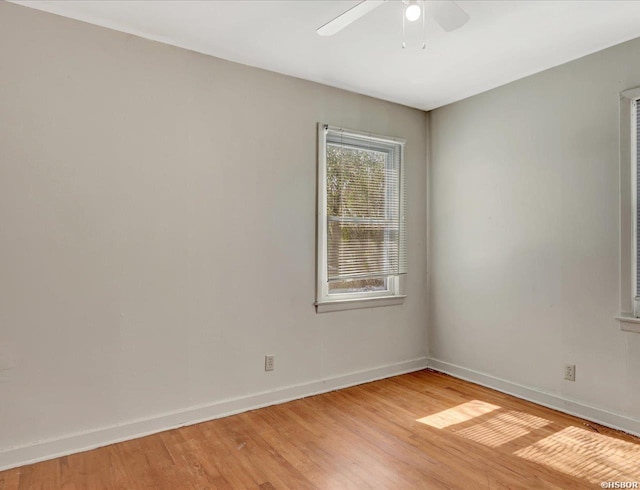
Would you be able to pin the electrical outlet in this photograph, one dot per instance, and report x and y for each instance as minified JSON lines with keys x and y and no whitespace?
{"x":268,"y":363}
{"x":570,"y":372}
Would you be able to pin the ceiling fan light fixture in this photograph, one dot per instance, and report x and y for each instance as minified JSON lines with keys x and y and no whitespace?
{"x":444,"y":12}
{"x":413,"y":11}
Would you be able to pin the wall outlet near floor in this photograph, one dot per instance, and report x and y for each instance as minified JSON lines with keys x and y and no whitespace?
{"x":268,"y":363}
{"x":570,"y":372}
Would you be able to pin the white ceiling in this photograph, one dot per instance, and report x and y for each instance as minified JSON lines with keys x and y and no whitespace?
{"x":503,"y":41}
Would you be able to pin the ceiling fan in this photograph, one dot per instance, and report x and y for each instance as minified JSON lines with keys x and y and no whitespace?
{"x":445,"y":12}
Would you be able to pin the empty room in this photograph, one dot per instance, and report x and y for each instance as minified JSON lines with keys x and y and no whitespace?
{"x":319,"y":244}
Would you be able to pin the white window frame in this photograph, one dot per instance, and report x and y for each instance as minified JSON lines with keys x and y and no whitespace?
{"x":634,"y":203}
{"x":630,"y":297}
{"x":326,"y":301}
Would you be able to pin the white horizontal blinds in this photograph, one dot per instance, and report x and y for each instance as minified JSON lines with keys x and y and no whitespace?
{"x":402,"y":245}
{"x":365,"y":215}
{"x":637,"y":163}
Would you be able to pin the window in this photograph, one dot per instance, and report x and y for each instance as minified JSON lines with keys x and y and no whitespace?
{"x":629,"y":172}
{"x":361,"y":249}
{"x":630,"y":210}
{"x":635,"y":154}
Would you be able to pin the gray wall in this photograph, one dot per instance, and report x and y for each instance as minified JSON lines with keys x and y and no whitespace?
{"x":525,"y":233}
{"x":157,"y":213}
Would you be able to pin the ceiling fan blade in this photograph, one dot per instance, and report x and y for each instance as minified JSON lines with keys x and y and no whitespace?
{"x":351,"y":15}
{"x":448,"y":14}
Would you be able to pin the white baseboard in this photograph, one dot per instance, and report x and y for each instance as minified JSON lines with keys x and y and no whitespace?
{"x":75,"y":443}
{"x":571,"y":407}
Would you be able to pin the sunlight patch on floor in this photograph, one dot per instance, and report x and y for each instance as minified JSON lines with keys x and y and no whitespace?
{"x":583,"y":454}
{"x":458,"y":414}
{"x":502,"y":428}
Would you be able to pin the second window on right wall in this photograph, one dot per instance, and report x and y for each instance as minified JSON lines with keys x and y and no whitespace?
{"x":635,"y":174}
{"x":630,"y":195}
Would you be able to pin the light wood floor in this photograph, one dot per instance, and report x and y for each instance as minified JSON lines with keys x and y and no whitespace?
{"x":420,"y":430}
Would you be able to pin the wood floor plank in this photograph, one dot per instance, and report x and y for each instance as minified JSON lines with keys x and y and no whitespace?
{"x":423,"y":430}
{"x":43,"y":476}
{"x":194,"y":459}
{"x":320,"y":447}
{"x":10,"y":479}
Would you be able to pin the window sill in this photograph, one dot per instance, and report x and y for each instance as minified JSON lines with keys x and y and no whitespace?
{"x":354,"y":304}
{"x":628,"y":322}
